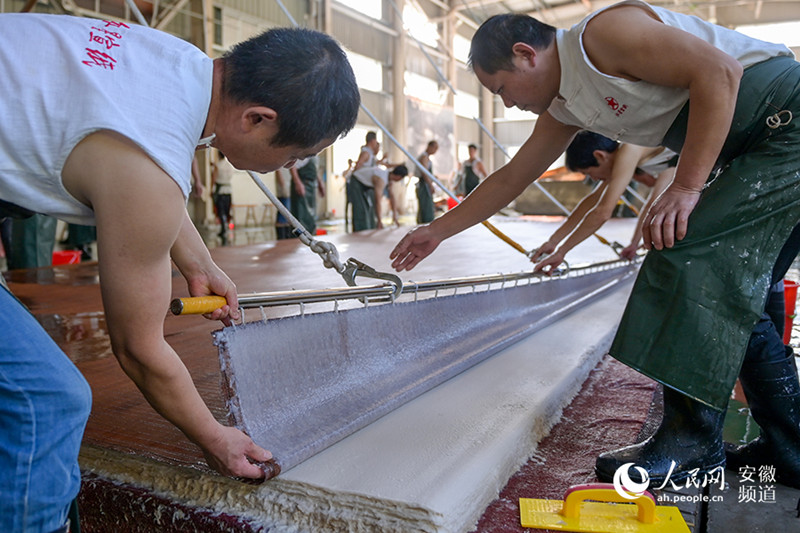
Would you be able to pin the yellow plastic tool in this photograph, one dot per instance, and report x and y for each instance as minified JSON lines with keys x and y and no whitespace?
{"x":599,"y":508}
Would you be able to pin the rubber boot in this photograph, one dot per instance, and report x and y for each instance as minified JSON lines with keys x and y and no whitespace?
{"x":687,"y":442}
{"x":773,"y":394}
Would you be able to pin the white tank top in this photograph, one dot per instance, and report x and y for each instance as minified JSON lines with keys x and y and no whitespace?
{"x":371,"y":157}
{"x":365,"y":174}
{"x":658,"y":163}
{"x":65,"y":77}
{"x":637,"y":111}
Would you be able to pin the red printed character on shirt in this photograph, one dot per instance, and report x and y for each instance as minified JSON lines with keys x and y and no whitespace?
{"x":99,"y":59}
{"x":113,"y":24}
{"x":108,"y":40}
{"x":103,"y":37}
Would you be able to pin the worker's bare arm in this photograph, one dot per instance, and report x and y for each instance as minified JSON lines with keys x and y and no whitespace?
{"x":654,"y":52}
{"x":140,"y":215}
{"x":628,"y":156}
{"x":664,"y":179}
{"x":568,"y":226}
{"x":202,"y":275}
{"x":481,"y":170}
{"x":363,"y":157}
{"x":424,"y":162}
{"x":548,"y":140}
{"x":298,"y":183}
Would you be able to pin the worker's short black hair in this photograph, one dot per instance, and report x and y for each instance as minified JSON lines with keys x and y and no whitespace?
{"x":491,"y":47}
{"x":580,"y":152}
{"x":303,"y":75}
{"x":371,"y":136}
{"x":400,"y":170}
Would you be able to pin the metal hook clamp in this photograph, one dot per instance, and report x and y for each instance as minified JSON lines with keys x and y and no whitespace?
{"x":529,"y":254}
{"x":354,"y":268}
{"x":617,"y":247}
{"x":560,"y":271}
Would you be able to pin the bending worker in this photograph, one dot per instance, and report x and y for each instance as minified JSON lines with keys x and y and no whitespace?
{"x":365,"y":191}
{"x":614,"y":165}
{"x":119,"y":158}
{"x":729,"y":105}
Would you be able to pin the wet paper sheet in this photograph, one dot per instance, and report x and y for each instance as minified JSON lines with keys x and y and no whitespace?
{"x":299,"y":384}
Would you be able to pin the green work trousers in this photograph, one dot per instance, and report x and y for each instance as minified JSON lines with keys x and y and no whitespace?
{"x":304,"y":207}
{"x":32,"y":242}
{"x":361,"y":199}
{"x":425,"y":199}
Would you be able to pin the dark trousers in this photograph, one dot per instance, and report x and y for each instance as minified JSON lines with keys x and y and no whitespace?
{"x":361,"y":198}
{"x":425,"y":199}
{"x":766,"y":342}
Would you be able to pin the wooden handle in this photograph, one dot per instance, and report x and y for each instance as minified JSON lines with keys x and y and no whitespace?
{"x":198,"y":305}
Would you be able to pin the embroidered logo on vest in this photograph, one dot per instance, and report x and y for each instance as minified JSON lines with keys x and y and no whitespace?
{"x":615,"y":106}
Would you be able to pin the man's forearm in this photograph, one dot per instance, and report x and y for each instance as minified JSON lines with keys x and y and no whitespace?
{"x":189,"y":251}
{"x":166,"y":384}
{"x":576,"y":216}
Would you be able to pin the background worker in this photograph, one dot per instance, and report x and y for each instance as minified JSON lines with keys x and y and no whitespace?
{"x":614,"y":165}
{"x":368,"y":155}
{"x":425,"y":212}
{"x":283,"y":192}
{"x":119,"y":159}
{"x":471,"y":173}
{"x":306,"y":182}
{"x":222,"y":192}
{"x":705,"y":277}
{"x":367,"y":159}
{"x":366,"y":191}
{"x":32,"y":241}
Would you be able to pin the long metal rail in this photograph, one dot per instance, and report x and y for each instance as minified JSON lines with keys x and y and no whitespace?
{"x":389,"y":291}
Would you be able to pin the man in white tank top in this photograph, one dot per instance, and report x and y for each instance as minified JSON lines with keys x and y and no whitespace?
{"x":365,"y":191}
{"x":702,"y":287}
{"x":614,"y":166}
{"x":82,"y":141}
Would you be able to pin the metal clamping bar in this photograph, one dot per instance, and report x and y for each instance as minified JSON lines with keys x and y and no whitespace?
{"x":385,"y":292}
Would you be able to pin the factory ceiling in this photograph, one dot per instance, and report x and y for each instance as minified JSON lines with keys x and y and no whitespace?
{"x":559,"y":13}
{"x":565,"y":13}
